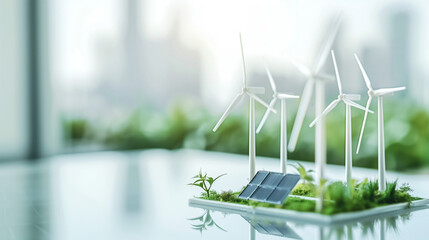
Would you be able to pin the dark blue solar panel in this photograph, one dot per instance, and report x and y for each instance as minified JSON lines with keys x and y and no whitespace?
{"x":288,"y":181}
{"x":248,"y":191}
{"x":279,"y":195}
{"x":259,"y":177}
{"x":270,"y":187}
{"x":262,"y":192}
{"x":272,"y":179}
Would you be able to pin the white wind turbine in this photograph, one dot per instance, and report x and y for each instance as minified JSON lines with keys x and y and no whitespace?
{"x":379,"y":93}
{"x":314,"y":77}
{"x":250,"y":91}
{"x":348,"y":100}
{"x":283,"y":120}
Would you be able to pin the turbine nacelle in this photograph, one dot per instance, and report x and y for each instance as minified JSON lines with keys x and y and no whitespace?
{"x":387,"y":91}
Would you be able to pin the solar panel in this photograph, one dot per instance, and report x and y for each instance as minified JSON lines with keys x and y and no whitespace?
{"x":270,"y":187}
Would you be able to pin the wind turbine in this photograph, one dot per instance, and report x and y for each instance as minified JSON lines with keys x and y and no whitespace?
{"x":283,"y":120}
{"x":314,"y":77}
{"x":249,"y":91}
{"x":379,"y":93}
{"x":348,"y":100}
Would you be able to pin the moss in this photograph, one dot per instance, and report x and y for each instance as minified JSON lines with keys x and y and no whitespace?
{"x":305,"y":189}
{"x":338,"y":197}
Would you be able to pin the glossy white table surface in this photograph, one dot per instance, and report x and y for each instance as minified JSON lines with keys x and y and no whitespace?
{"x":144,"y":195}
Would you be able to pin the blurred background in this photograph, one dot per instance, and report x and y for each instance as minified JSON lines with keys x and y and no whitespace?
{"x":93,"y":75}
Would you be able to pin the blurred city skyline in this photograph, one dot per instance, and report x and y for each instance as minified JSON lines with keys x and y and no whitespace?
{"x":103,"y":60}
{"x":123,"y":60}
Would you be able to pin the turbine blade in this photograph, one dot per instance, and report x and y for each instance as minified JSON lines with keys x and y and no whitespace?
{"x":325,"y":77}
{"x":301,"y":67}
{"x":262,"y":123}
{"x":384,"y":91}
{"x":326,"y":111}
{"x":353,"y":97}
{"x":328,"y":45}
{"x":244,"y":64}
{"x":353,"y":104}
{"x":261,"y":102}
{"x":365,"y":76}
{"x":273,"y":84}
{"x":286,"y":96}
{"x":302,"y":110}
{"x":336,"y":72}
{"x":228,"y":110}
{"x":363,"y":124}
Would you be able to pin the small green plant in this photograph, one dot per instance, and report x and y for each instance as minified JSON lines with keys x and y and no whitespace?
{"x":204,"y":182}
{"x":305,"y":175}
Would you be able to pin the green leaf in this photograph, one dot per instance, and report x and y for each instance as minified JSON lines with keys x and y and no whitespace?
{"x":219,"y":176}
{"x":198,"y":180}
{"x":210,"y":180}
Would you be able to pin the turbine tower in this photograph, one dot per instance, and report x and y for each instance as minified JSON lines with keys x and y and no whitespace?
{"x":379,"y":93}
{"x":283,"y":120}
{"x":348,"y":100}
{"x":251,"y":92}
{"x":314,"y":77}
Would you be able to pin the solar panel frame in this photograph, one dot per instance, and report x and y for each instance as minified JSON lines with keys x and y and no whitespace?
{"x":270,"y":187}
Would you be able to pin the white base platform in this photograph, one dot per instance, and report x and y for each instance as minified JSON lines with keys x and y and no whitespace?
{"x":307,"y":217}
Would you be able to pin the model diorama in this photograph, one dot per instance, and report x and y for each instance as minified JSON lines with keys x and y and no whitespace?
{"x":276,"y":194}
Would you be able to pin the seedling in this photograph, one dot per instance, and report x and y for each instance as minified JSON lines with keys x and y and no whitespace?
{"x":204,"y":182}
{"x":306,"y":175}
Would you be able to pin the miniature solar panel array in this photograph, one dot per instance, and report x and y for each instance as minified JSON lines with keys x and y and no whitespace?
{"x":270,"y":187}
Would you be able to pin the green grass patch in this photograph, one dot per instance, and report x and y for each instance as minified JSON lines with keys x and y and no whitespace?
{"x":339,"y":198}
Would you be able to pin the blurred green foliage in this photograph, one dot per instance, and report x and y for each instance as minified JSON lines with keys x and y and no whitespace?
{"x":189,"y":125}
